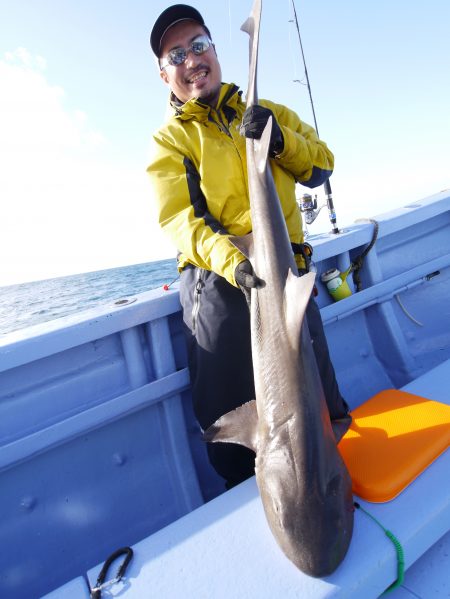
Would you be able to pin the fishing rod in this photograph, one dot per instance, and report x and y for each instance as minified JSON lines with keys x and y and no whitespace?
{"x":328,"y":193}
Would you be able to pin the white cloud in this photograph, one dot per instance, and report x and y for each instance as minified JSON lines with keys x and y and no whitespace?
{"x":22,"y":57}
{"x":65,"y":207}
{"x":33,"y":116}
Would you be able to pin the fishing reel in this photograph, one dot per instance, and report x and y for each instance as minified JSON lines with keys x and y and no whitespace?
{"x":308,"y":207}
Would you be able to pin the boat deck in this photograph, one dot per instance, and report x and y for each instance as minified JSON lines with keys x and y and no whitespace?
{"x":227,"y":540}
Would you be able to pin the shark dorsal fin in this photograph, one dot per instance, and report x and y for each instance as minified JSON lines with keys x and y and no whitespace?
{"x":244,"y":244}
{"x":297,"y":294}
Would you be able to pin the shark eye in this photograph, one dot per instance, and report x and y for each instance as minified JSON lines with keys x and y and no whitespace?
{"x":276,"y":507}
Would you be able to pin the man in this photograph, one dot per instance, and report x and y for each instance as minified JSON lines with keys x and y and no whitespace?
{"x":198,"y":171}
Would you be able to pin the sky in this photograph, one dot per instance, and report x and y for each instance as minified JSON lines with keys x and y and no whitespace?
{"x":80,"y":96}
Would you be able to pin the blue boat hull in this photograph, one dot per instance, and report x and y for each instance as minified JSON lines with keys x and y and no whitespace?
{"x":99,"y":447}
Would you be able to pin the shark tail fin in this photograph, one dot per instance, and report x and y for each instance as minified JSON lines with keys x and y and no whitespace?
{"x":248,"y":26}
{"x":238,"y":426}
{"x":251,"y":24}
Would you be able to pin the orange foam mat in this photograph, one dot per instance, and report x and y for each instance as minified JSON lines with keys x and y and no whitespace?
{"x":394,"y":436}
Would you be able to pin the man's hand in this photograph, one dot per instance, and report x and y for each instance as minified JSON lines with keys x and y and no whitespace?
{"x":245,"y":277}
{"x":253,"y":123}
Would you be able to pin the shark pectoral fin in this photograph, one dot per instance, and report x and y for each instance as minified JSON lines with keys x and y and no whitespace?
{"x":297,"y":294}
{"x":239,"y":426}
{"x":244,"y":244}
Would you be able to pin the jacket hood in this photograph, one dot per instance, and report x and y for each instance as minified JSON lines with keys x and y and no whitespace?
{"x":230,"y":95}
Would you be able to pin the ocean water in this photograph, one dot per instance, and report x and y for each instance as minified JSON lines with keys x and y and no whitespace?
{"x":40,"y":301}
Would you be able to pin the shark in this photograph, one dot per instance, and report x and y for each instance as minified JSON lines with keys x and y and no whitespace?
{"x":305,"y":488}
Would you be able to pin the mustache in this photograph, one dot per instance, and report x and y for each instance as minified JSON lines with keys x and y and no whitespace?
{"x":198,"y":69}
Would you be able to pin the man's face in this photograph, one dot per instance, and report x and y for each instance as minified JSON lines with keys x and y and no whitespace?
{"x":200,"y":75}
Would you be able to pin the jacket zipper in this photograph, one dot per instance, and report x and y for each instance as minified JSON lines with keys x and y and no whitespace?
{"x":199,"y":284}
{"x":218,"y":122}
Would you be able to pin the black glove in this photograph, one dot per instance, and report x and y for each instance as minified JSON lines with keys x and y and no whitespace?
{"x":245,"y":277}
{"x":253,"y":123}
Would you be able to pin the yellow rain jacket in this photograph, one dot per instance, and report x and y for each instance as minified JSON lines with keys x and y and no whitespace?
{"x":199,"y":175}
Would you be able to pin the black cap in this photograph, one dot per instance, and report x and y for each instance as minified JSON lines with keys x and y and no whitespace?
{"x":170,"y":16}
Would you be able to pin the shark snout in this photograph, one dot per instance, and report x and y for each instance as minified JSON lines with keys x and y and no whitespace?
{"x":312,"y":527}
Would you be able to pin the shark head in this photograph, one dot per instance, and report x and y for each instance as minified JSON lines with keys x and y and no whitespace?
{"x":312,"y":524}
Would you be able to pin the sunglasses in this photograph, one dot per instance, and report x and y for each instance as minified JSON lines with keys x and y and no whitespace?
{"x":177,"y":56}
